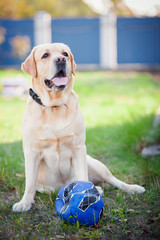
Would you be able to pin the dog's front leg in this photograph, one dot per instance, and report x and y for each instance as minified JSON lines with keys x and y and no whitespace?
{"x":32,"y":161}
{"x":79,"y":164}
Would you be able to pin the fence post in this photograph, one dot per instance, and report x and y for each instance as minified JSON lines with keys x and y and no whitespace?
{"x":108,"y":41}
{"x":42,"y":28}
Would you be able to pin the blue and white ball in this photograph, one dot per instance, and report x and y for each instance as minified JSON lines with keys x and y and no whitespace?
{"x":80,"y":201}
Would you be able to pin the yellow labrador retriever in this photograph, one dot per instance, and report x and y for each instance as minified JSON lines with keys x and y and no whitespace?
{"x":54,"y":130}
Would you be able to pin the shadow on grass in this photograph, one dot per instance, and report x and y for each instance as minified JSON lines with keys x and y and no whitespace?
{"x":11,"y":162}
{"x":117,"y":146}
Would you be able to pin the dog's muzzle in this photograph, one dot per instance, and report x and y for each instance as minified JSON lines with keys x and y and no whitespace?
{"x":60,"y":80}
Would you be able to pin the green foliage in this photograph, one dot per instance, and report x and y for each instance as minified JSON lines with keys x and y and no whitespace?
{"x":28,"y":8}
{"x":120,"y":8}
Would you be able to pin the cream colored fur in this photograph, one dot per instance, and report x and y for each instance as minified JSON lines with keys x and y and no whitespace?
{"x":54,"y":134}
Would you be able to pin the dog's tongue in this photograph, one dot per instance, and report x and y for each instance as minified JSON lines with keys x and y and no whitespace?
{"x":59,"y":81}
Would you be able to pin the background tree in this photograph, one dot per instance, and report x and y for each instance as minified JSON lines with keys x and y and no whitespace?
{"x":120,"y":8}
{"x":104,"y":6}
{"x":28,"y":8}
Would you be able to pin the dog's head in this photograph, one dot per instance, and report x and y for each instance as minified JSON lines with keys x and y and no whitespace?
{"x":51,"y":67}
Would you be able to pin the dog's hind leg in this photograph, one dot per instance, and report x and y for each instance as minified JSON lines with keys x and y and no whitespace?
{"x":99,"y":173}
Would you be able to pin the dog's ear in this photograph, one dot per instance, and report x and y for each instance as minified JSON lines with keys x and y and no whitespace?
{"x":73,"y":64}
{"x":29,"y":65}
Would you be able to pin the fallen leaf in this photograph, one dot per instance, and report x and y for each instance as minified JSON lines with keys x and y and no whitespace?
{"x":149,"y":211}
{"x":59,"y":236}
{"x":151,"y":220}
{"x":109,"y":230}
{"x":154,"y":219}
{"x":130,"y":211}
{"x":146,"y":230}
{"x":19,"y":174}
{"x":125,"y":220}
{"x":128,"y":231}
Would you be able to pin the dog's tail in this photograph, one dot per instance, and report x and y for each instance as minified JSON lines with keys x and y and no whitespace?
{"x":99,"y":173}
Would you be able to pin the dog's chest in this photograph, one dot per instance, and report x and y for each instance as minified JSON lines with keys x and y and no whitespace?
{"x":57,"y":150}
{"x":47,"y":132}
{"x":60,"y":141}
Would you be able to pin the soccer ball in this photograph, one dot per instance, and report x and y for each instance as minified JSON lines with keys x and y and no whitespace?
{"x":80,"y":201}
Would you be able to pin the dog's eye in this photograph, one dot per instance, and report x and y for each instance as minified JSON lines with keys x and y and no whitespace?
{"x":45,"y":55}
{"x":65,"y":54}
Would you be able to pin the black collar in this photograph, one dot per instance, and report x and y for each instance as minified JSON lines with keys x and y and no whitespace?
{"x":35,"y":96}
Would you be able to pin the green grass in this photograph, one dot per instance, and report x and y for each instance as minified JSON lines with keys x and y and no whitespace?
{"x":118,"y":109}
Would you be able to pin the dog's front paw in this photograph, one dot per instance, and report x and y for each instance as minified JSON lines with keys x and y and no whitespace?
{"x":100,"y":190}
{"x":136,"y":189}
{"x":22,"y":206}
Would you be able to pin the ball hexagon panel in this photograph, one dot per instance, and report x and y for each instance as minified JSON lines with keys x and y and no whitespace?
{"x":79,"y":201}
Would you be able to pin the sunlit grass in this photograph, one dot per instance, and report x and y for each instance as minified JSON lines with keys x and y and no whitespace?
{"x":118,"y":110}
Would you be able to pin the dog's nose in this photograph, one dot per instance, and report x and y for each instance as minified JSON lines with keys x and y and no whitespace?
{"x":60,"y":60}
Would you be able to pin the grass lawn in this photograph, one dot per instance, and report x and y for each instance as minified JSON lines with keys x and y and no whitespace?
{"x":118,"y":109}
